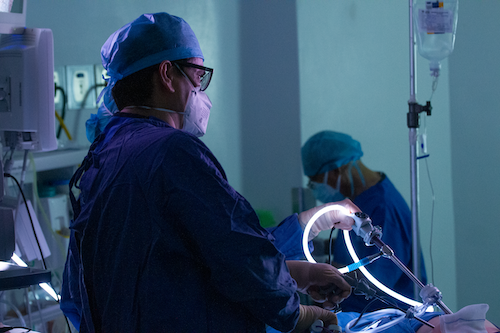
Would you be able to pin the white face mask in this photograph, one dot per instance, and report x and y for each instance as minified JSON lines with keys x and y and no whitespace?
{"x":197,"y":112}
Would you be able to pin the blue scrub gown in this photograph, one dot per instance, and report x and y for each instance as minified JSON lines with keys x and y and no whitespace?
{"x":387,"y":208}
{"x":164,"y":244}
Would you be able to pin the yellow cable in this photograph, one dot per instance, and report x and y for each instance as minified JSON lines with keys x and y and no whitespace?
{"x":63,"y":125}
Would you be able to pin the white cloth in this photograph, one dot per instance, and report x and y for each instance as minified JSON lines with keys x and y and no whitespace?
{"x":470,"y":319}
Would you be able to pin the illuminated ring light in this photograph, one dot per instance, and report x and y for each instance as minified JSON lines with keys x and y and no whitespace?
{"x":353,"y":254}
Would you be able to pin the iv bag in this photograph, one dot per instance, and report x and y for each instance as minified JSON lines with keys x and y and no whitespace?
{"x":435,"y":25}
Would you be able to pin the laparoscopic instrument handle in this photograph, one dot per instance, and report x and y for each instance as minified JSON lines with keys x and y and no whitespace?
{"x":363,"y":227}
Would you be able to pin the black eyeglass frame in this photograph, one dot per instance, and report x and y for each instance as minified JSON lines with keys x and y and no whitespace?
{"x":208,"y":71}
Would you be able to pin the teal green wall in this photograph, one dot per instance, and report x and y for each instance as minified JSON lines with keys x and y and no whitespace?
{"x":475,"y":131}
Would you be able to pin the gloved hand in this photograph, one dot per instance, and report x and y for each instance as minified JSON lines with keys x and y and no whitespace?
{"x":334,"y":218}
{"x":323,"y":282}
{"x":309,"y":314}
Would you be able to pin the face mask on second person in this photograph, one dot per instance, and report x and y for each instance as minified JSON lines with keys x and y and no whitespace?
{"x":324,"y":192}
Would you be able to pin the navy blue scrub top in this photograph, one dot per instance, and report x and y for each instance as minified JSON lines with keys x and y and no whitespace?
{"x":164,"y":243}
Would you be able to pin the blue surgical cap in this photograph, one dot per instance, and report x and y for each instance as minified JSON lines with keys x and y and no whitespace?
{"x":147,"y":41}
{"x":329,"y":150}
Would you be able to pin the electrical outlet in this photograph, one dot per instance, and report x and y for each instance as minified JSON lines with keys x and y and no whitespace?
{"x":60,"y":83}
{"x":100,"y":82}
{"x":80,"y":83}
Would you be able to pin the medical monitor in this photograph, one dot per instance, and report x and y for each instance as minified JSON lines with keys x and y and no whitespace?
{"x":12,"y":15}
{"x":27,"y":114}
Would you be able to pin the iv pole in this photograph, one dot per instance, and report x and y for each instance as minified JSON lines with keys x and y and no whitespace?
{"x":413,"y":160}
{"x":413,"y":124}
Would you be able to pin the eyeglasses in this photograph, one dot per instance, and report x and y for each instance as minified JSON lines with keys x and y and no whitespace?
{"x":205,"y":78}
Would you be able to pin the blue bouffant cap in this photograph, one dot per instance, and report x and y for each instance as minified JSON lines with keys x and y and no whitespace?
{"x":147,"y":41}
{"x":329,"y":150}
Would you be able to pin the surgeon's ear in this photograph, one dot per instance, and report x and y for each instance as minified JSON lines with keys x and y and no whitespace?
{"x":166,"y":72}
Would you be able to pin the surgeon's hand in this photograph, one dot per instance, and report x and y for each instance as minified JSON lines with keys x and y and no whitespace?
{"x":323,"y":282}
{"x":334,"y":218}
{"x":309,"y":314}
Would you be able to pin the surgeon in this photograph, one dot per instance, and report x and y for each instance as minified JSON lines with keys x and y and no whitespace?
{"x":332,"y":162}
{"x":160,"y":240}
